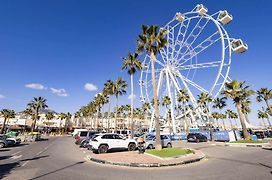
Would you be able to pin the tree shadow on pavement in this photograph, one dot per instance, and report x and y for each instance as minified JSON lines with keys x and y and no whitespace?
{"x":60,"y":169}
{"x":3,"y":150}
{"x":4,"y":157}
{"x":5,"y":169}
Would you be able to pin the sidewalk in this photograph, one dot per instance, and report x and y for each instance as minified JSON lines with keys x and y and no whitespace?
{"x":134,"y":159}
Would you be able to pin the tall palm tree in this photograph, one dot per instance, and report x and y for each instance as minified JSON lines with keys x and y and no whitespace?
{"x":84,"y":110}
{"x":67,"y":120}
{"x":49,"y":116}
{"x":236,"y":91}
{"x":229,"y":114}
{"x":119,"y":88}
{"x":264,"y":114}
{"x":215,"y":115}
{"x":245,"y":108}
{"x":77,"y":116}
{"x":108,"y":90}
{"x":166,"y":101}
{"x":151,"y":41}
{"x":132,"y":64}
{"x":223,"y":116}
{"x":37,"y":104}
{"x":183,"y":97}
{"x":220,"y":103}
{"x":265,"y":95}
{"x":6,"y":114}
{"x":203,"y":100}
{"x":28,"y":112}
{"x":100,"y":100}
{"x":61,"y":116}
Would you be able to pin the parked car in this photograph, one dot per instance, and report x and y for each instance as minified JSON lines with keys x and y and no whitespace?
{"x":77,"y":130}
{"x":110,"y":141}
{"x":16,"y":140}
{"x":150,"y":141}
{"x":80,"y":136}
{"x":196,"y":137}
{"x":4,"y":142}
{"x":85,"y":141}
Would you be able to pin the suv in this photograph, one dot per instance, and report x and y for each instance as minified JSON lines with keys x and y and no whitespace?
{"x":85,"y":141}
{"x":5,"y":142}
{"x":80,"y":136}
{"x":110,"y":141}
{"x":150,"y":141}
{"x":196,"y":137}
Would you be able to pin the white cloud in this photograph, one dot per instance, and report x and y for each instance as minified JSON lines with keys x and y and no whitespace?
{"x":35,"y":86}
{"x":2,"y":96}
{"x":90,"y":87}
{"x":59,"y":92}
{"x":134,"y":96}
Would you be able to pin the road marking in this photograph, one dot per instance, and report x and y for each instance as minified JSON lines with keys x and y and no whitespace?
{"x":16,"y":157}
{"x":39,"y":153}
{"x":25,"y":163}
{"x":16,"y":153}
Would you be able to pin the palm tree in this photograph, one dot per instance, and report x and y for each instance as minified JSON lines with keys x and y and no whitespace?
{"x":6,"y":114}
{"x":215,"y":115}
{"x":151,"y":41}
{"x":229,"y":113}
{"x":245,"y":108}
{"x":264,"y":114}
{"x":166,"y":101}
{"x":84,"y":110}
{"x":100,"y":100}
{"x":203,"y":100}
{"x":49,"y":116}
{"x":119,"y":87}
{"x":61,"y":116}
{"x":220,"y":103}
{"x":108,"y":90}
{"x":132,"y":64}
{"x":36,"y":104}
{"x":77,"y":116}
{"x":28,"y":113}
{"x":67,"y":120}
{"x":238,"y":92}
{"x":223,"y":116}
{"x":265,"y":94}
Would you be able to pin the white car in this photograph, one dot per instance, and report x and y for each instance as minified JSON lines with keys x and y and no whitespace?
{"x":14,"y":139}
{"x":151,"y":140}
{"x":109,"y":141}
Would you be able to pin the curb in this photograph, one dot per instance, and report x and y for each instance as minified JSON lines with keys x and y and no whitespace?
{"x":247,"y":145}
{"x":146,"y":165}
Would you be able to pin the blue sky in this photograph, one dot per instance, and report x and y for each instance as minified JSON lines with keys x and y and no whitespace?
{"x":65,"y":44}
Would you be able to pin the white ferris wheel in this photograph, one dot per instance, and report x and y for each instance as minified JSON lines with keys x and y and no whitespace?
{"x":197,"y":59}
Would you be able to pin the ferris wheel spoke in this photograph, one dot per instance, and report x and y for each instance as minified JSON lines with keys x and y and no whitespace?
{"x":195,"y":85}
{"x":200,"y":47}
{"x":195,"y":36}
{"x":199,"y":65}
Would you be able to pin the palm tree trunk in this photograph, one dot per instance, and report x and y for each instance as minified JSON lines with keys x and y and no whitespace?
{"x":223,"y":124}
{"x":242,"y":121}
{"x":4,"y":126}
{"x":269,"y":122}
{"x":108,"y":122}
{"x":247,"y":119}
{"x":158,"y":145}
{"x":231,"y":126}
{"x":264,"y":123}
{"x":116,"y":111}
{"x":269,"y":107}
{"x":131,"y":106}
{"x":35,"y":120}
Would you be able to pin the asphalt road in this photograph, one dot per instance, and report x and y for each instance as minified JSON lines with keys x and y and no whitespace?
{"x":60,"y":158}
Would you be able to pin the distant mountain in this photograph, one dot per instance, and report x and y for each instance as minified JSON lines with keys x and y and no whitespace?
{"x":43,"y":111}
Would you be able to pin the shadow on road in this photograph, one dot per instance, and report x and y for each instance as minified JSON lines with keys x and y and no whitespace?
{"x":4,"y":157}
{"x":57,"y":170}
{"x":5,"y":169}
{"x":3,"y":150}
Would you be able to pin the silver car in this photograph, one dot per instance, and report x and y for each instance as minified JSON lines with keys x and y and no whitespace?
{"x":151,"y":139}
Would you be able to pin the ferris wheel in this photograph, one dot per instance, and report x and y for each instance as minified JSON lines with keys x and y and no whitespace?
{"x":197,"y":59}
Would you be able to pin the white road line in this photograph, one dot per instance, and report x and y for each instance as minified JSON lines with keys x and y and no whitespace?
{"x":39,"y":153}
{"x":16,"y":157}
{"x":25,"y":163}
{"x":16,"y":153}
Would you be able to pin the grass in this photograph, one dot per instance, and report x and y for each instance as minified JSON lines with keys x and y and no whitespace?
{"x":248,"y":141}
{"x":169,"y":152}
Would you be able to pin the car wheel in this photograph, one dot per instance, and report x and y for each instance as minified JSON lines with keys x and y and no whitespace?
{"x":150,"y":146}
{"x":132,"y":147}
{"x":169,"y":145}
{"x":102,"y":149}
{"x":2,"y":145}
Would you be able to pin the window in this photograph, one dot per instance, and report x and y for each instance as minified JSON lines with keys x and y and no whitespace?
{"x":107,"y":136}
{"x":117,"y":136}
{"x":83,"y":133}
